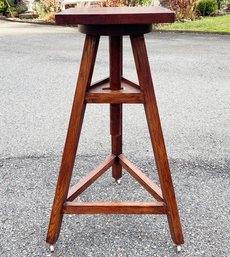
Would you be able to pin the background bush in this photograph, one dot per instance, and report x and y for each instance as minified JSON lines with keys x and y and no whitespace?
{"x":223,"y":4}
{"x":7,"y":7}
{"x":115,"y":3}
{"x":185,"y":9}
{"x":207,"y":7}
{"x":3,"y":6}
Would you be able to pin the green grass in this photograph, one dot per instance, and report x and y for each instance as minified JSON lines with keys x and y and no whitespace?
{"x":219,"y":24}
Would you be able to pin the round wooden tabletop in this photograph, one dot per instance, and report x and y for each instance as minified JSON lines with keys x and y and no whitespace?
{"x":114,"y":15}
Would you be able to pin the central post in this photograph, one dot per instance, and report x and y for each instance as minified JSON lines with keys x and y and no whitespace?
{"x":115,"y":55}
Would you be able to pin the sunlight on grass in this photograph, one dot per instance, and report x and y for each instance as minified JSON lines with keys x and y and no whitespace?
{"x":209,"y":24}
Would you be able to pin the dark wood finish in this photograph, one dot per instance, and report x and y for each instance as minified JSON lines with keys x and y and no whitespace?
{"x":115,"y":64}
{"x":73,"y":135}
{"x":115,"y":15}
{"x":152,"y":188}
{"x":153,"y":119}
{"x":115,"y":91}
{"x":101,"y":93}
{"x":115,"y":208}
{"x":88,"y":180}
{"x":115,"y":29}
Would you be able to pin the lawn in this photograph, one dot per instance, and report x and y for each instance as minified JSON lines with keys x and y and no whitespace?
{"x":209,"y":24}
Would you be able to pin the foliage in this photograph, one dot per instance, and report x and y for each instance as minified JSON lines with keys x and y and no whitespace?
{"x":8,"y":7}
{"x":144,"y":2}
{"x":112,"y":3}
{"x":49,"y":17}
{"x":185,"y":9}
{"x":3,"y":5}
{"x":46,"y":7}
{"x":51,"y":5}
{"x":41,"y":10}
{"x":207,"y":24}
{"x":222,"y":4}
{"x":207,"y":7}
{"x":116,"y":3}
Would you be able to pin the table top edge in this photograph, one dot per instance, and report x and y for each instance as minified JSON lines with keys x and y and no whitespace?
{"x":115,"y":15}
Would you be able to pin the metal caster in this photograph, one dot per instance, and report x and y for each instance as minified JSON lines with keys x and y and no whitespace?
{"x":178,"y":248}
{"x":52,"y":248}
{"x":118,"y":181}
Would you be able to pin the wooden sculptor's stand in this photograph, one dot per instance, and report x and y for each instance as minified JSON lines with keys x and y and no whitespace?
{"x":115,"y":90}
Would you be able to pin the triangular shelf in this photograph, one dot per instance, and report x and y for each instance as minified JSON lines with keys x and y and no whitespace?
{"x":100,"y":92}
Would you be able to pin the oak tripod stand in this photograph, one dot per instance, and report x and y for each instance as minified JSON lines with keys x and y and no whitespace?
{"x":115,"y":90}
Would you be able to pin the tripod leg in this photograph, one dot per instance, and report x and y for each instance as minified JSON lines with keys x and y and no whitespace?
{"x":73,"y":135}
{"x":153,"y":119}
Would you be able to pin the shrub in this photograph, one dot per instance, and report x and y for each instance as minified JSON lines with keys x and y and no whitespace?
{"x":112,"y":3}
{"x":185,"y":9}
{"x":207,"y":7}
{"x":50,"y":5}
{"x":3,"y":6}
{"x":49,"y":17}
{"x":115,"y":3}
{"x":223,"y":4}
{"x":7,"y":7}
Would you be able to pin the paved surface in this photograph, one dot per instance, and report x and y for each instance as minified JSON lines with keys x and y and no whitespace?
{"x":37,"y":79}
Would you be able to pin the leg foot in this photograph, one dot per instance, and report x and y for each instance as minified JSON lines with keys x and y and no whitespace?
{"x":178,"y":248}
{"x":118,"y":181}
{"x":52,"y":248}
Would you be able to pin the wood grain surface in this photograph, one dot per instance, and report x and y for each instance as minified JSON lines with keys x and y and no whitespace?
{"x":115,"y":15}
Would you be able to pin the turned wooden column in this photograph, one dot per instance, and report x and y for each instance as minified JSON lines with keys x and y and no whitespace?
{"x":115,"y":65}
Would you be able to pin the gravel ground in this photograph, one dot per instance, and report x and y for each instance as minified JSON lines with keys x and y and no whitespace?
{"x":38,"y":71}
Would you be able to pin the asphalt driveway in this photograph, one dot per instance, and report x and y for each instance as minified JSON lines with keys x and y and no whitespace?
{"x":38,"y":70}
